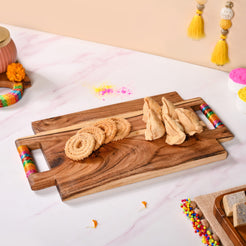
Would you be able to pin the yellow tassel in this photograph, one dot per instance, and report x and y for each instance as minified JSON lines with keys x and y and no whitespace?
{"x":196,"y":27}
{"x":220,"y":54}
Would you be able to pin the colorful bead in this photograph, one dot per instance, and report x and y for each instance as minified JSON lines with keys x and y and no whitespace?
{"x":224,"y":32}
{"x":225,"y":24}
{"x":226,"y":13}
{"x":211,"y":116}
{"x":200,"y":7}
{"x":13,"y":96}
{"x":229,"y":4}
{"x":27,"y":160}
{"x":199,"y":228}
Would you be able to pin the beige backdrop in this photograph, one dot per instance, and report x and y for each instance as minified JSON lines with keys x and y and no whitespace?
{"x":153,"y":26}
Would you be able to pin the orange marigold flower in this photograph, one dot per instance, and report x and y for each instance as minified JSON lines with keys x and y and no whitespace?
{"x":15,"y":72}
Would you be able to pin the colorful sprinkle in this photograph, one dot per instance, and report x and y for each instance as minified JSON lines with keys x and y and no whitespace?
{"x":94,"y":223}
{"x":27,"y":160}
{"x":199,"y":228}
{"x":104,"y":90}
{"x":211,"y":116}
{"x":13,"y":96}
{"x":111,"y":90}
{"x":144,"y":204}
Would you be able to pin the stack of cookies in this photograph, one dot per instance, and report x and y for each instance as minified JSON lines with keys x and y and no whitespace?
{"x":91,"y":137}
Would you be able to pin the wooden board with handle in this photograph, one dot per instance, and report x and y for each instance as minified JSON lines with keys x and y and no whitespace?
{"x":118,"y":163}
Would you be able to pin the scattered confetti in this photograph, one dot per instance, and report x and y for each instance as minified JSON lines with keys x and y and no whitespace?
{"x":109,"y":90}
{"x":95,"y":223}
{"x":104,"y":90}
{"x":145,"y":204}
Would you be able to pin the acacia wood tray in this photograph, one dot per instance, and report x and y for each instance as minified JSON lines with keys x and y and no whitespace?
{"x":118,"y":163}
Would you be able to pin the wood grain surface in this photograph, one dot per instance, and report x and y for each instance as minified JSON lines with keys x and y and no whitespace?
{"x":118,"y":163}
{"x":4,"y":82}
{"x":107,"y":111}
{"x":237,"y":235}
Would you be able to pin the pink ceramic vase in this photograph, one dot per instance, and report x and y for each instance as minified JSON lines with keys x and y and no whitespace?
{"x":8,"y":52}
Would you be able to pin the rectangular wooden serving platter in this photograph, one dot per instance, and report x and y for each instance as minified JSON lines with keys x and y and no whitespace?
{"x":118,"y":163}
{"x":237,"y":235}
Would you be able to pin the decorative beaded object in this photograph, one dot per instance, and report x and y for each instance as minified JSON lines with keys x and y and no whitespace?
{"x":13,"y":96}
{"x":15,"y":76}
{"x":195,"y":216}
{"x":196,"y":27}
{"x":220,"y":54}
{"x":27,"y":160}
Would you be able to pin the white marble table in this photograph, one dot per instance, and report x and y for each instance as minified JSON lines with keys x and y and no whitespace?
{"x":63,"y":71}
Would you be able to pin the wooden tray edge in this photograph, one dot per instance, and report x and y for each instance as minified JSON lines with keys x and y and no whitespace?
{"x":35,"y":124}
{"x":225,"y":222}
{"x":151,"y":174}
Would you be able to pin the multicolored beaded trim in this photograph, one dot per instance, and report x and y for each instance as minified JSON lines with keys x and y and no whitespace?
{"x":199,"y":228}
{"x":27,"y":160}
{"x":211,"y":116}
{"x":13,"y":96}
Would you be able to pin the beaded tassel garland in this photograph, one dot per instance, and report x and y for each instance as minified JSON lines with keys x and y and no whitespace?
{"x":27,"y":160}
{"x":196,"y":27}
{"x":13,"y":96}
{"x":207,"y":237}
{"x":220,"y":54}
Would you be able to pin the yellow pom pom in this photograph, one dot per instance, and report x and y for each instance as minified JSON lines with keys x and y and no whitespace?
{"x":220,"y":54}
{"x":225,"y":24}
{"x":196,"y":27}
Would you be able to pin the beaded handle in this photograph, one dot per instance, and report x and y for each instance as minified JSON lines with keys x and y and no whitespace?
{"x":37,"y":180}
{"x":27,"y":160}
{"x":13,"y":96}
{"x":211,"y":116}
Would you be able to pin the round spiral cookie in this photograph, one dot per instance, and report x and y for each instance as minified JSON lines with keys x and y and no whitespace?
{"x":123,"y":128}
{"x":80,"y":146}
{"x":109,"y":127}
{"x":96,"y":132}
